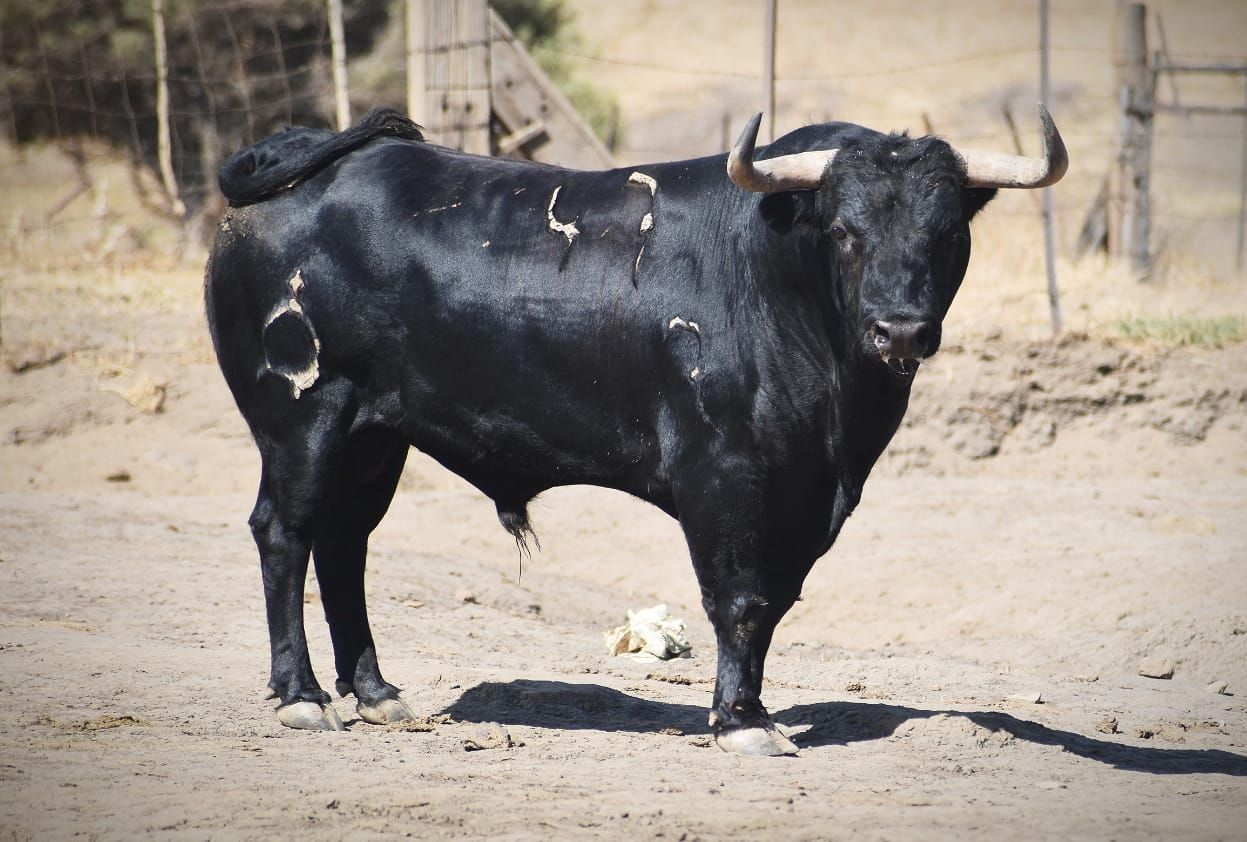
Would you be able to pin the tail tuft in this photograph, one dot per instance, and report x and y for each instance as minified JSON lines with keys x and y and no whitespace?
{"x":514,"y":519}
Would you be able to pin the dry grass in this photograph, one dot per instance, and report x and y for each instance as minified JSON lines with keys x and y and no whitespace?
{"x":1185,"y":330}
{"x":1006,"y":288}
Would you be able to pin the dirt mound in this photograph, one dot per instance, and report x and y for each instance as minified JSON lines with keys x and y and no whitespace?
{"x":1087,"y":405}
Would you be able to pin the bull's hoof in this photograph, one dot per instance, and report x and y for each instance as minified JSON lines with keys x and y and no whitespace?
{"x":310,"y":716}
{"x":756,"y":741}
{"x":385,"y":712}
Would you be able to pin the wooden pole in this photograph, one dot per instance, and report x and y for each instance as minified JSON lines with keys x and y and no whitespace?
{"x":1145,"y":113}
{"x":1049,"y":237}
{"x":770,"y":14}
{"x":473,"y":32}
{"x":244,"y":84}
{"x":337,"y":40}
{"x":1131,"y":198}
{"x":279,"y":52}
{"x":1016,"y":136}
{"x":163,"y":137}
{"x":1242,"y":198}
{"x":459,"y":88}
{"x":416,"y":48}
{"x":1007,"y":112}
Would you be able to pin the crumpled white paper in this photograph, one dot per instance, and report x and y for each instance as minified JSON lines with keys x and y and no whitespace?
{"x":650,"y":634}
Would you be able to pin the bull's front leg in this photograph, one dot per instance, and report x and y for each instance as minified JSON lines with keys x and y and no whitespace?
{"x":744,"y":618}
{"x":745,"y":598}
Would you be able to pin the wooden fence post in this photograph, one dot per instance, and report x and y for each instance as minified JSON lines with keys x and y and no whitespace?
{"x":458,"y":103}
{"x":770,"y":13}
{"x":1242,"y":193}
{"x":341,"y":97}
{"x":1049,"y":236}
{"x":536,"y":119}
{"x":1129,"y":203}
{"x":417,"y":48}
{"x":163,"y":137}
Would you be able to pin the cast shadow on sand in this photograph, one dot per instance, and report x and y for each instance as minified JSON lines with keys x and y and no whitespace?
{"x":563,"y":705}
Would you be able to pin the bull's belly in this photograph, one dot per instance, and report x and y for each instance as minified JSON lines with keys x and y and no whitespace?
{"x":514,"y":456}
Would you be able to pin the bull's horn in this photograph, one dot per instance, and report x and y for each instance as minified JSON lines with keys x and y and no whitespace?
{"x":800,"y":171}
{"x":995,"y":169}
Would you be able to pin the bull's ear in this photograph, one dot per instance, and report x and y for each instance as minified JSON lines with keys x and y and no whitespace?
{"x":974,"y":198}
{"x":785,"y":211}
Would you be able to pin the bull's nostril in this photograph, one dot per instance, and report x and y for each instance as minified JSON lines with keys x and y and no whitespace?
{"x":922,"y":337}
{"x":882,"y":335}
{"x":909,"y":339}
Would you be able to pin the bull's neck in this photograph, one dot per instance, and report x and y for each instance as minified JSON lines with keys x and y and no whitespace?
{"x":869,"y":405}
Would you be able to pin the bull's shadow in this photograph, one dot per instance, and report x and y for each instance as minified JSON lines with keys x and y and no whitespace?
{"x":566,"y":706}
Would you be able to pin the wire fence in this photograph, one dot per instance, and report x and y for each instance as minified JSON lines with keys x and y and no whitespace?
{"x":242,"y":69}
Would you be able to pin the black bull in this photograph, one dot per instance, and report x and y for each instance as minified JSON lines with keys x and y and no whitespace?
{"x":739,"y":359}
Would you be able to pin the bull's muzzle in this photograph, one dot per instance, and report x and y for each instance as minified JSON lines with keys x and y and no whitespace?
{"x":902,"y":343}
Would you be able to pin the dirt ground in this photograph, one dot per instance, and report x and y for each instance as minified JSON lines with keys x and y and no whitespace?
{"x":1049,"y":516}
{"x":965,"y":662}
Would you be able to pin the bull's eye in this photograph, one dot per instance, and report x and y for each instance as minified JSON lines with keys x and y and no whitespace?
{"x":839,"y":232}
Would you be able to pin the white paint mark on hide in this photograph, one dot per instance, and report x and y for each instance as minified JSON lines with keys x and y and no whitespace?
{"x":301,"y":379}
{"x":642,"y":180}
{"x":439,"y":210}
{"x":646,"y":181}
{"x":567,"y":229}
{"x":677,"y":322}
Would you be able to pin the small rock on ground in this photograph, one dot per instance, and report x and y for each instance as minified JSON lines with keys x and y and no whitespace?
{"x":489,"y":736}
{"x":1156,"y":668}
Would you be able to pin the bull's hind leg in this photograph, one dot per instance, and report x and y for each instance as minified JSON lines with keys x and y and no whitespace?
{"x":298,"y":464}
{"x":369,"y":475}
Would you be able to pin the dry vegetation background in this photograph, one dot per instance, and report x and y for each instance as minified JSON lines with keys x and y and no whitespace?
{"x":1051,"y":514}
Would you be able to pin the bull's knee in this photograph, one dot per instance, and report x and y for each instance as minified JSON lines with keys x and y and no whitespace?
{"x":266,"y":527}
{"x":738,"y":618}
{"x":276,"y":532}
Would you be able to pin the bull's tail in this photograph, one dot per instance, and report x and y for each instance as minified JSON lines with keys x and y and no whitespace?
{"x":275,"y":164}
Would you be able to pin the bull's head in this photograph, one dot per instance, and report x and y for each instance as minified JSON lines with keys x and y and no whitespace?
{"x":895,"y":212}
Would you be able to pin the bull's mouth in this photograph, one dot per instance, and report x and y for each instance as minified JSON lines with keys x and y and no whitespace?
{"x":903,"y":367}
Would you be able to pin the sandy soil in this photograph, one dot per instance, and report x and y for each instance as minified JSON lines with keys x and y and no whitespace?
{"x":1049,"y":516}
